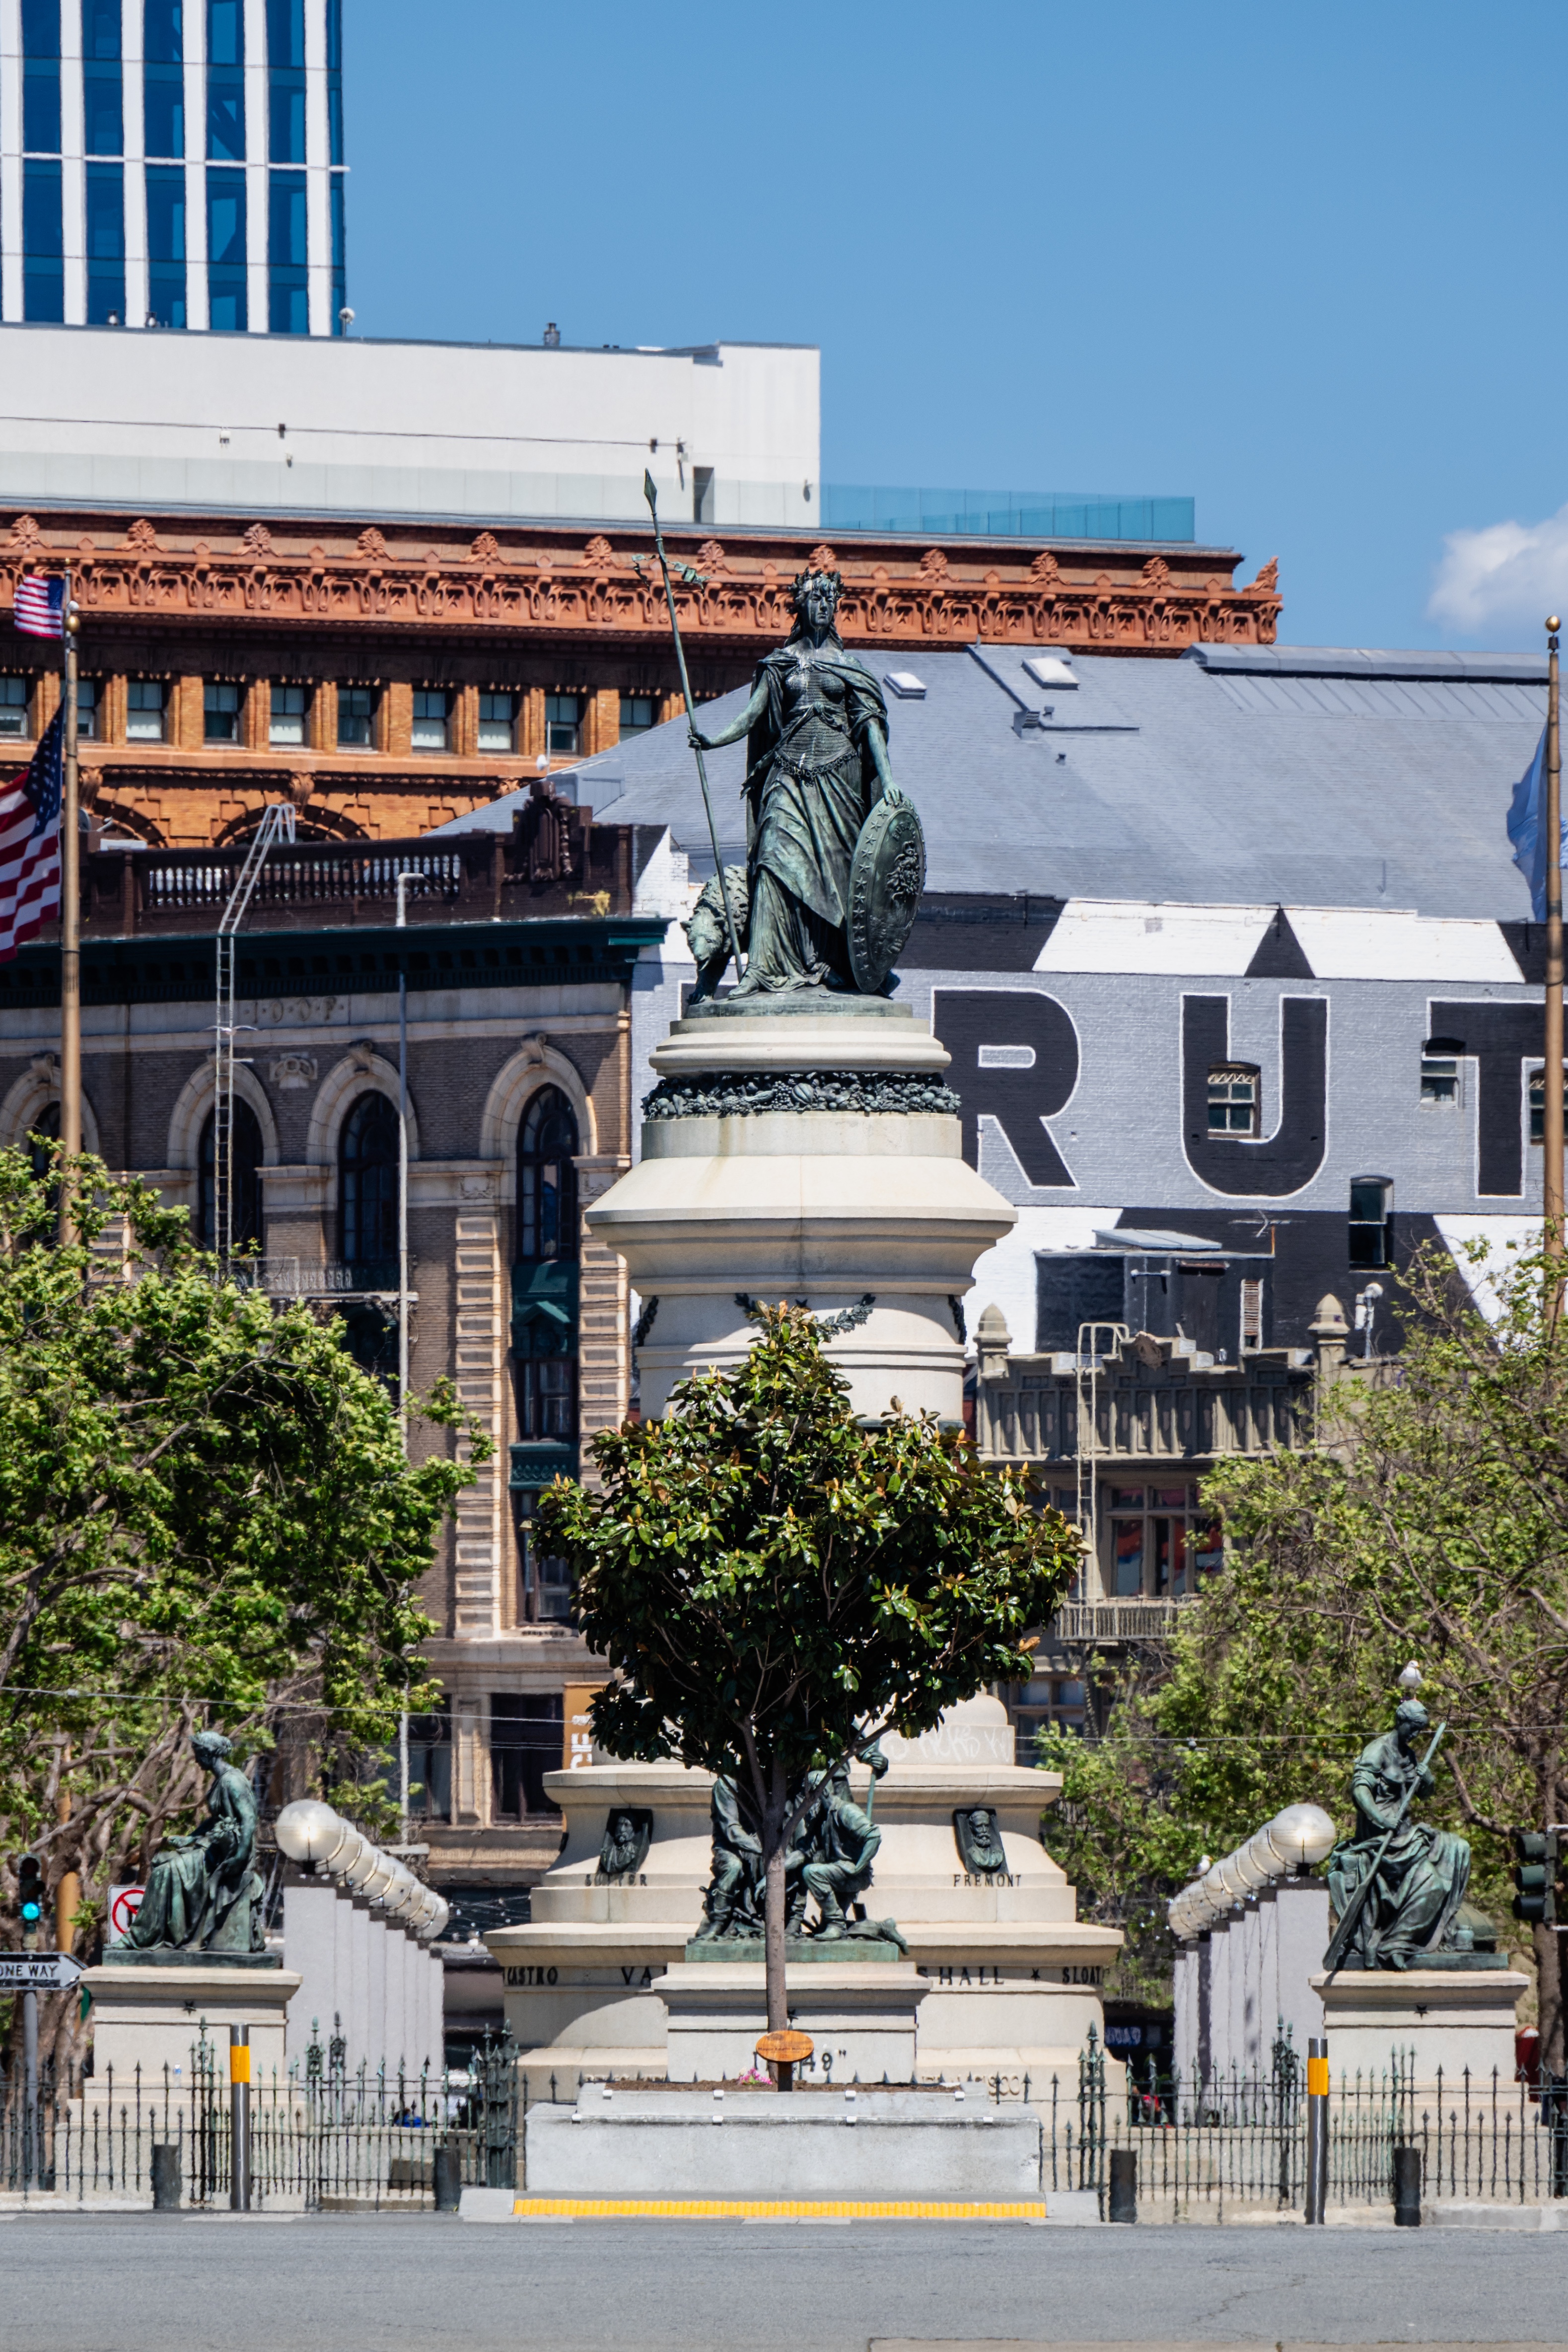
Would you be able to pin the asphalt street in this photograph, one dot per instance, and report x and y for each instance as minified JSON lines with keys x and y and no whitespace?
{"x":135,"y":2282}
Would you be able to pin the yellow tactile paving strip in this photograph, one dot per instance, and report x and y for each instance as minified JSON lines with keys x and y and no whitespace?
{"x":710,"y":2209}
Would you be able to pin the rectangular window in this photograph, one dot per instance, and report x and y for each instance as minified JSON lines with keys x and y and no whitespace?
{"x":1251,"y":1314}
{"x":562,"y":724}
{"x":227,"y":307}
{"x":225,"y":82}
{"x":43,"y":244}
{"x":1206,"y":1549}
{"x":104,"y":111}
{"x":1538,"y":1104}
{"x":166,"y":244}
{"x":286,"y":81}
{"x":1172,"y":1498}
{"x":144,"y":703}
{"x":1127,"y":1556}
{"x":163,"y":32}
{"x":703,"y":493}
{"x":526,"y":1742}
{"x":1169,"y":1548}
{"x":41,"y":78}
{"x":430,"y":705}
{"x":430,"y":1765}
{"x":1369,"y":1234}
{"x":1127,"y":1498}
{"x":340,"y":270}
{"x":335,"y":82}
{"x":288,"y":300}
{"x":498,"y":721}
{"x":638,"y":713}
{"x":287,"y":721}
{"x":162,"y":78}
{"x":86,"y":709}
{"x":546,"y":1396}
{"x":105,"y":245}
{"x":13,"y":710}
{"x":220,"y":713}
{"x":1440,"y":1072}
{"x":1233,"y":1099}
{"x":356,"y":717}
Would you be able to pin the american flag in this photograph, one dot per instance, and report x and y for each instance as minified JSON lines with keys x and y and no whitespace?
{"x":41,"y":605}
{"x":30,"y":844}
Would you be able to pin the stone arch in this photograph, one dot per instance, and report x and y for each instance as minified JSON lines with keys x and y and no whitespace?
{"x":32,"y":1093}
{"x":536,"y":1063}
{"x":189,"y":1116}
{"x":363,"y":1069}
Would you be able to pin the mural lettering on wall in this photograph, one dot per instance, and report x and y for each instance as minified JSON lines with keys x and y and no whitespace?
{"x":1014,"y":1059}
{"x":1288,"y":1159}
{"x":1503,"y":1038}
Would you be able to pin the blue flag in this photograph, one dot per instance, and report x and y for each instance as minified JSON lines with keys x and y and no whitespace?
{"x":1527,"y":830}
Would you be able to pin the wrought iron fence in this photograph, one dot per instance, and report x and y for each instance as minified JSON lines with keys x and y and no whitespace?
{"x":322,"y":2136}
{"x":1237,"y":2140}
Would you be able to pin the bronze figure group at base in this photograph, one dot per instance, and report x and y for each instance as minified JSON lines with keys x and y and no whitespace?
{"x":204,"y":1894}
{"x":828,"y":1860}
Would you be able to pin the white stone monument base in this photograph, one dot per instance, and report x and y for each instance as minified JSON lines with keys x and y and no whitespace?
{"x":1450,"y":2019}
{"x":760,"y":2144}
{"x":151,"y":2018}
{"x":860,"y":2014}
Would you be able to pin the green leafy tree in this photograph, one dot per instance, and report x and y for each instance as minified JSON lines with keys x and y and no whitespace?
{"x":205,"y":1515}
{"x":1430,"y":1522}
{"x":775,"y":1584}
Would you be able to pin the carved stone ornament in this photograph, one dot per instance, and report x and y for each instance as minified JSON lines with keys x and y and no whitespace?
{"x":363,"y":1055}
{"x":599,"y":556}
{"x":371,"y":545}
{"x":258,"y":541}
{"x":142,"y":537}
{"x":486,"y":549}
{"x":25,"y":536}
{"x":290,"y":1073}
{"x":628,"y":1833}
{"x":885,"y":883}
{"x":737,"y":1096}
{"x":978,"y":1841}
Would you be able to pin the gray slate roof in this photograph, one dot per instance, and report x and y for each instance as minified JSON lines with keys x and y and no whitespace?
{"x":1311,"y":775}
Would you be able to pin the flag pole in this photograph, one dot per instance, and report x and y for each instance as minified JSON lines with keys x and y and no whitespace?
{"x":71,"y":919}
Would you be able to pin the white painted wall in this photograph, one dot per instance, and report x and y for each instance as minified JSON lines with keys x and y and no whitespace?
{"x":168,"y":419}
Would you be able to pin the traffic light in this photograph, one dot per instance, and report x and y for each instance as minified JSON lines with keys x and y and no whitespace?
{"x":1535,"y":1876}
{"x":30,"y":1897}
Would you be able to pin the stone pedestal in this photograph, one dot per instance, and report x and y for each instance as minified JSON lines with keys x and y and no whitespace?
{"x":860,"y":2015}
{"x":1435,"y":2019}
{"x":153,"y":2016}
{"x":811,"y":1152}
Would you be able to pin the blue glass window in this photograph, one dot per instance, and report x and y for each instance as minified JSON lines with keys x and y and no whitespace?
{"x":163,"y":79}
{"x":166,"y":244}
{"x":339,"y":272}
{"x":105,"y":245}
{"x":103,"y":114}
{"x":43,"y":243}
{"x":227,"y":310}
{"x":41,"y":77}
{"x":335,"y":81}
{"x":286,"y":81}
{"x":288,"y":297}
{"x":225,"y":81}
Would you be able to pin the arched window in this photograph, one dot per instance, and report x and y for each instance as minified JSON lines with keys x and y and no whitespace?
{"x":247,"y":1157}
{"x":367,"y":1192}
{"x":547,"y":1179}
{"x":41,"y":1132}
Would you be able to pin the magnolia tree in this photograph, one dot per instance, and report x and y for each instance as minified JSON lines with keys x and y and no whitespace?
{"x":775,"y":1583}
{"x":206,"y":1515}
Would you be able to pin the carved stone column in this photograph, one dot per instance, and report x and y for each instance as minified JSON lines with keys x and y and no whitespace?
{"x":479,"y":1363}
{"x":604,"y":1370}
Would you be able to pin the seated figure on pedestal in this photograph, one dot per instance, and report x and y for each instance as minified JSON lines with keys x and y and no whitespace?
{"x":1419,"y":1874}
{"x":203,"y":1893}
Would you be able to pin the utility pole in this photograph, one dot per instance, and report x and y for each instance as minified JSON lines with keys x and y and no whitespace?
{"x":71,"y":921}
{"x":1552,"y":1074}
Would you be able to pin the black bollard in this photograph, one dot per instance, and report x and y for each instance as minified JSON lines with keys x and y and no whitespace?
{"x":448,"y":2180}
{"x":1408,"y":2188}
{"x":1123,"y":2205}
{"x":165,"y":2176}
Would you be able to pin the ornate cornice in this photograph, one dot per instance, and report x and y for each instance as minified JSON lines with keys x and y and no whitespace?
{"x":550,"y":583}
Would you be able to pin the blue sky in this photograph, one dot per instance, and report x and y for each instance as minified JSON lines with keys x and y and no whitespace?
{"x":1299,"y":262}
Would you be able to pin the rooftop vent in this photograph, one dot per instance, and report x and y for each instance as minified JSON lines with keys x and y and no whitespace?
{"x":906,"y":685}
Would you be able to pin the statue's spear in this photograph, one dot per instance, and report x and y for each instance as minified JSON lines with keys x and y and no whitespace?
{"x":1358,"y":1902}
{"x":652,"y":497}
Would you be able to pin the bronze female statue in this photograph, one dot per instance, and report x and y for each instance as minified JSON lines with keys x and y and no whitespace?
{"x":203,"y":1893}
{"x":817,"y":726}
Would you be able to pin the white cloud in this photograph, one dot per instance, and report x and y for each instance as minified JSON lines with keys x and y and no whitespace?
{"x":1510,"y":573}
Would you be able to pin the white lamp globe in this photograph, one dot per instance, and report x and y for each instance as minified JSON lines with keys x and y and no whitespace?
{"x":308,"y":1831}
{"x":441,"y":1914}
{"x":1303,"y":1834}
{"x":354,"y":1860}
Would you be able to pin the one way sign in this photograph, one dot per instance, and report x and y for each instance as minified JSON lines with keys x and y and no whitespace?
{"x":37,"y":1971}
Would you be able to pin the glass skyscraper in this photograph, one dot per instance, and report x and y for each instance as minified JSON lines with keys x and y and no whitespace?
{"x":172,"y":163}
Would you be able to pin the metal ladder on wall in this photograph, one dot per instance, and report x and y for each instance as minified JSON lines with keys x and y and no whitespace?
{"x":1095,"y":1341}
{"x":277,"y":824}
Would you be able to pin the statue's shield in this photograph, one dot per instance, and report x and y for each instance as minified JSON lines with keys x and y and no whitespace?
{"x":885,"y":885}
